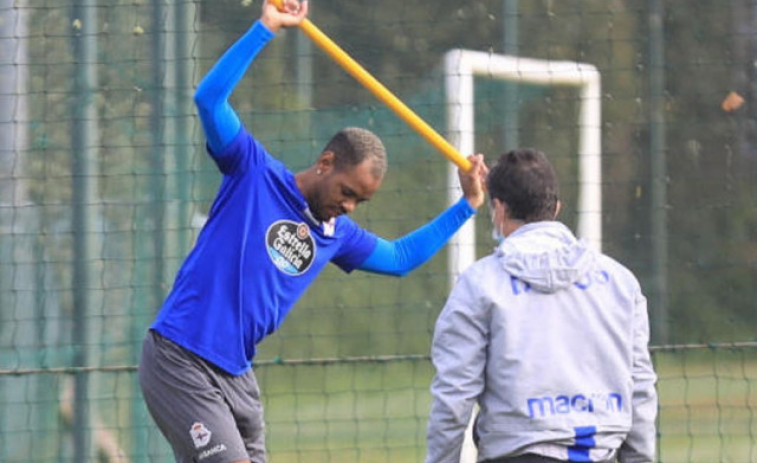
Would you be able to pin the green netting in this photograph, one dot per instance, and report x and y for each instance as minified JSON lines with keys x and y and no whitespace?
{"x":103,"y":188}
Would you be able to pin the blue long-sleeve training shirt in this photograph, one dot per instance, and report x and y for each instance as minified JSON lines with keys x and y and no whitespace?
{"x":259,"y":249}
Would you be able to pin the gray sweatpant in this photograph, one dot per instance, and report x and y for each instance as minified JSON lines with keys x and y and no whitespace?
{"x":207,"y":415}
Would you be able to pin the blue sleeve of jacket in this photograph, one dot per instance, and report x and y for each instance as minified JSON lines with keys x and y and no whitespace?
{"x":401,"y":256}
{"x":219,"y":121}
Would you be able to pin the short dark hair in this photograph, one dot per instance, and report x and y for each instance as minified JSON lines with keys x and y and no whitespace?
{"x":525,"y":181}
{"x":353,"y":145}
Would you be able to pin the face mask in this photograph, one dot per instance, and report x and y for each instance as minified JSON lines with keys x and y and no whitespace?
{"x":496,"y":234}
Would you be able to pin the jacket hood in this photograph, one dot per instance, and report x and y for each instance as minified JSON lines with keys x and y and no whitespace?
{"x":546,"y":255}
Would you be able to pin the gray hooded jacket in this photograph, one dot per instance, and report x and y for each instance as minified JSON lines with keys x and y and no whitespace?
{"x":550,"y":338}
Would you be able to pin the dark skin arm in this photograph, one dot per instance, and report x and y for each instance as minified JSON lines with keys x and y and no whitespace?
{"x":292,"y":14}
{"x":473,"y":182}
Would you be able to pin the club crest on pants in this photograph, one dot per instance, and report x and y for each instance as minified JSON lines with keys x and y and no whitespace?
{"x":200,"y":435}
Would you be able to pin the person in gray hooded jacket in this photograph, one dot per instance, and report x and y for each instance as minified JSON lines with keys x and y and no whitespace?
{"x":547,"y":335}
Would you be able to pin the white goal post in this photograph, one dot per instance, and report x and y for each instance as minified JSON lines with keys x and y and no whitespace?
{"x":460,"y":68}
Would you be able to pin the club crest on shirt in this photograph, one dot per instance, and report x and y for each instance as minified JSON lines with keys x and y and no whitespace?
{"x":290,"y":246}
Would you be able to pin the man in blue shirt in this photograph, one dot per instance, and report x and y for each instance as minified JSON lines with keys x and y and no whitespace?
{"x":268,"y":234}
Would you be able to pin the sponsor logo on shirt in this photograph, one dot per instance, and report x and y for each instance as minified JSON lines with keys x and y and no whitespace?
{"x":539,"y":407}
{"x":290,"y":246}
{"x":200,"y":435}
{"x":600,"y":277}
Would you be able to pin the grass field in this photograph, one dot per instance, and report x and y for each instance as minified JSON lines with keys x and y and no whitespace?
{"x":376,"y":412}
{"x":372,"y":412}
{"x":707,"y":405}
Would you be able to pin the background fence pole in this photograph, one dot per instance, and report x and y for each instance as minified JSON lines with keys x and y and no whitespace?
{"x":659,"y":177}
{"x":84,"y":190}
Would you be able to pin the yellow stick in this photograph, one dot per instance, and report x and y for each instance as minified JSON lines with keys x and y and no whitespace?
{"x":381,"y":92}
